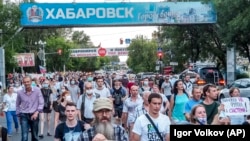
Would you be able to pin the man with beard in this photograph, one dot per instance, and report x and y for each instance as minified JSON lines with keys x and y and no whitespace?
{"x":103,"y":129}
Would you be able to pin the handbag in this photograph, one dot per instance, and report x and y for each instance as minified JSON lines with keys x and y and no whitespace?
{"x":156,"y":129}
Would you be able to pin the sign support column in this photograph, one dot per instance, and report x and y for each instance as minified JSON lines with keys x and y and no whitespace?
{"x":2,"y":68}
{"x":230,"y":64}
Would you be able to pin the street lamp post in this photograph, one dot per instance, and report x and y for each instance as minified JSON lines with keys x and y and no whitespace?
{"x":43,"y":44}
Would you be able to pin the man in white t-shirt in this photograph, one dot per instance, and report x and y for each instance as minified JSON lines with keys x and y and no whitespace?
{"x":101,"y":90}
{"x":144,"y":130}
{"x":188,"y":85}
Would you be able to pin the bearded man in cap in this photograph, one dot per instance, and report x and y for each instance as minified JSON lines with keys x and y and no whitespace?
{"x":102,"y":128}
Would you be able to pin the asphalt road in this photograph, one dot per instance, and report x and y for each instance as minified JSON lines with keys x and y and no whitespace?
{"x":17,"y":136}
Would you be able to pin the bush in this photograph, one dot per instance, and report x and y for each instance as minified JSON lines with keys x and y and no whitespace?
{"x":242,"y":75}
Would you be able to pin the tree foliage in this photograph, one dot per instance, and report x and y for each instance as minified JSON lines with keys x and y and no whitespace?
{"x":142,"y":54}
{"x":191,"y":43}
{"x":55,"y":38}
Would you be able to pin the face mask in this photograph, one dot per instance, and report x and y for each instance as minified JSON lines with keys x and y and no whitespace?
{"x":63,"y":90}
{"x":145,"y":83}
{"x":202,"y":120}
{"x":16,"y":85}
{"x":90,"y":91}
{"x":68,"y":98}
{"x":90,"y":79}
{"x":72,"y":82}
{"x":45,"y":85}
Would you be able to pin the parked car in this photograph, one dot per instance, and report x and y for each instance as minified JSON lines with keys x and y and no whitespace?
{"x":243,"y":85}
{"x":208,"y":75}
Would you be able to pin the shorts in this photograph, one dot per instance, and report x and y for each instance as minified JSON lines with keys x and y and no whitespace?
{"x":47,"y":110}
{"x":118,"y":112}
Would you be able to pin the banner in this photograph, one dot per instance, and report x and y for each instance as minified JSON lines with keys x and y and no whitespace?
{"x":25,"y":59}
{"x":92,"y":52}
{"x":236,"y":106}
{"x":116,"y":14}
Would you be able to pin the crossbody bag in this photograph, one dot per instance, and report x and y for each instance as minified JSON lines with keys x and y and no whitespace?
{"x":156,"y":129}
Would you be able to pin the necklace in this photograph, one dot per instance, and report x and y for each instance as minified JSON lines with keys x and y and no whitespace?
{"x":71,"y":131}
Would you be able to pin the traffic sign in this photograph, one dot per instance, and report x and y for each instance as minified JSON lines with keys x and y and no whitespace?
{"x":159,"y":49}
{"x":174,"y":63}
{"x":102,"y":52}
{"x":157,"y":68}
{"x":127,"y":41}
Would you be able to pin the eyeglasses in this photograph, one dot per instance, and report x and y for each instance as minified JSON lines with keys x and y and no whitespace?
{"x":87,"y":88}
{"x":106,"y":111}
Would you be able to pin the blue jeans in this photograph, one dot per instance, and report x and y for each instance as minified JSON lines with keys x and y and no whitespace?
{"x":26,"y":124}
{"x":9,"y":116}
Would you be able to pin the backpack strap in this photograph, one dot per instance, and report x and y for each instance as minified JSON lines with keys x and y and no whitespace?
{"x":142,"y":89}
{"x":156,"y":129}
{"x":83,"y":106}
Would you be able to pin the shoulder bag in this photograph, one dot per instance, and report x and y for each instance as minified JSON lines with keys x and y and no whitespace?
{"x":156,"y":129}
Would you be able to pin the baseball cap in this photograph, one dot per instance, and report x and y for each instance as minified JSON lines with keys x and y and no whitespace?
{"x":102,"y":103}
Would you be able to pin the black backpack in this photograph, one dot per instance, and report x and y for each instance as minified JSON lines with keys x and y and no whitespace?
{"x":117,"y":95}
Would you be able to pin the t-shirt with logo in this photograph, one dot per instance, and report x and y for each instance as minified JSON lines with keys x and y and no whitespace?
{"x":65,"y":133}
{"x":146,"y":130}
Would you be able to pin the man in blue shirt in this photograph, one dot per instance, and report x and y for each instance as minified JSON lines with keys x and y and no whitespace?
{"x":196,"y":99}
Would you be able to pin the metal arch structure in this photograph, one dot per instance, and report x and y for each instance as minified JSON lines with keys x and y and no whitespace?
{"x":37,"y":15}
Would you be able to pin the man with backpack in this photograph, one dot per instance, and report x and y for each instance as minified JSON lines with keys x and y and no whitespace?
{"x":167,"y":87}
{"x":145,"y":86}
{"x":188,"y":85}
{"x":85,"y":104}
{"x":119,"y":94}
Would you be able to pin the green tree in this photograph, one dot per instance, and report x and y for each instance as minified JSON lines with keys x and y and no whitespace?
{"x":9,"y":23}
{"x":234,"y":24}
{"x":55,"y":62}
{"x":81,"y":39}
{"x":142,"y":54}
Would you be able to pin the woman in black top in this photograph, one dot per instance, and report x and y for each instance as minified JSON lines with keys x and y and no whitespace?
{"x":47,"y":96}
{"x":60,"y":111}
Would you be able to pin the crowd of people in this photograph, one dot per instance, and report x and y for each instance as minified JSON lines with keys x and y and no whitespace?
{"x":100,"y":107}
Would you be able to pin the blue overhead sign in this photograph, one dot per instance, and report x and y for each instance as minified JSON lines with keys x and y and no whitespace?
{"x":116,"y":14}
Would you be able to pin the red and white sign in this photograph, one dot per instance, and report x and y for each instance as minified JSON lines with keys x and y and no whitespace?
{"x":25,"y":59}
{"x":93,"y":52}
{"x":102,"y":52}
{"x":168,"y":70}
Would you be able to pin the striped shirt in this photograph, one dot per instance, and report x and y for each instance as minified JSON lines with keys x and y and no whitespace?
{"x":140,"y":110}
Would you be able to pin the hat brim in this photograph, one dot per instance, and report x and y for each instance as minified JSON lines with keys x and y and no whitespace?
{"x":102,"y":107}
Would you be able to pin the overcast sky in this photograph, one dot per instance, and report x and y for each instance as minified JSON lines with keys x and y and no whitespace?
{"x":110,"y":36}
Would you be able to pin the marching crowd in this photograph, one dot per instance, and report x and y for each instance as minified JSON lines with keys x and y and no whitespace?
{"x":97,"y":107}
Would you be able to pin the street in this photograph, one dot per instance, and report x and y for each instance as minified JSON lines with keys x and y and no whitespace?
{"x":17,"y":136}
